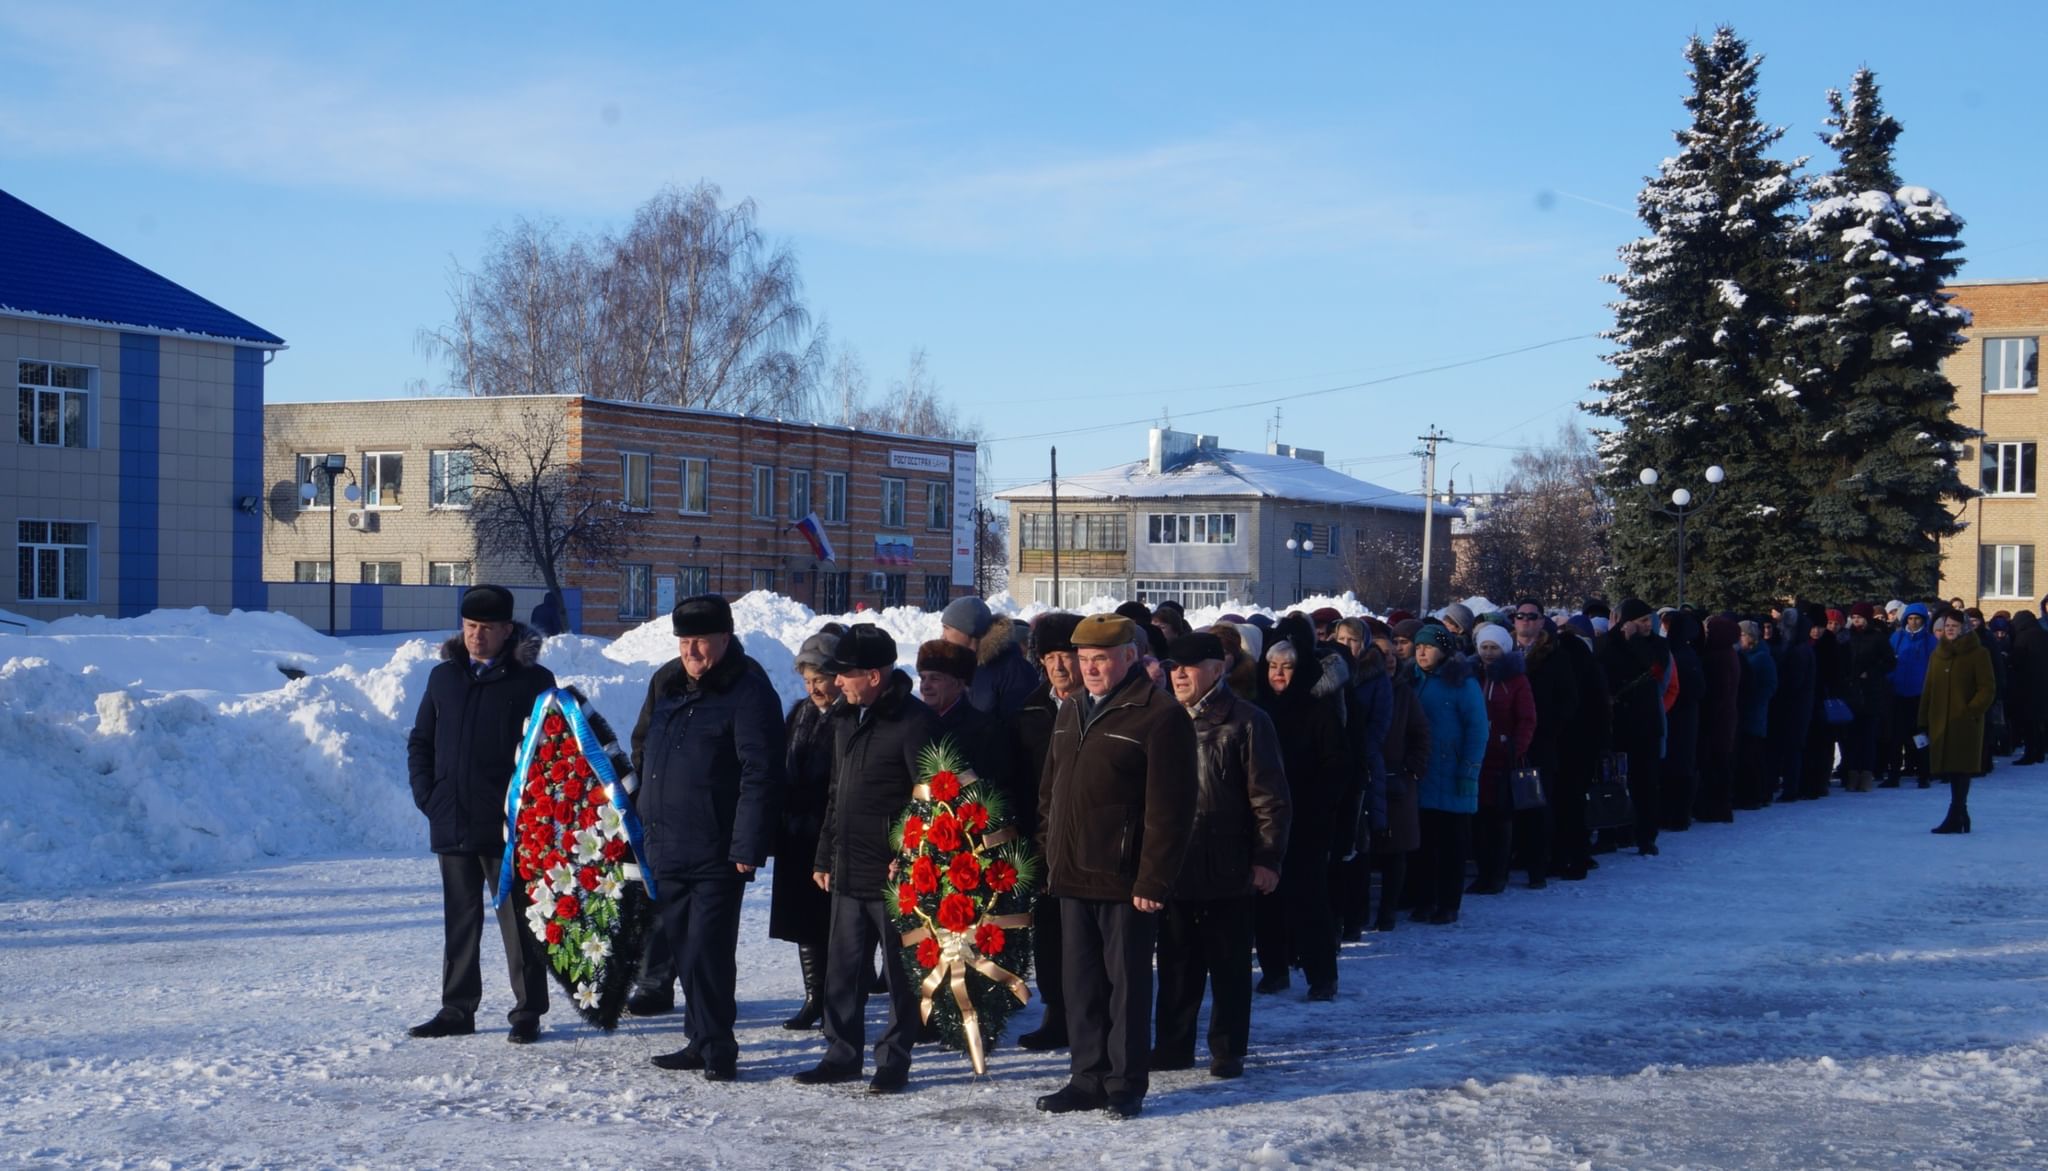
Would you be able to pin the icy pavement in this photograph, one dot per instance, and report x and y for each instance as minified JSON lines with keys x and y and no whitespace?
{"x":1821,"y":985}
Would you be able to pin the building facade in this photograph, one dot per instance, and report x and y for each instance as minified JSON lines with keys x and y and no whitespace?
{"x":135,"y":479}
{"x":1204,"y":525}
{"x":712,"y":502}
{"x":1997,"y":376}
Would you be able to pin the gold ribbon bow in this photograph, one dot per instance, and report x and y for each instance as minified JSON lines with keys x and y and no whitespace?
{"x":957,"y":954}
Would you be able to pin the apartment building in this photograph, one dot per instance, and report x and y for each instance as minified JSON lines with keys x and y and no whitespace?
{"x":1997,"y":376}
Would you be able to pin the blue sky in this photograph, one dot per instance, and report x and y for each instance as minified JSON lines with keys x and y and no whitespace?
{"x":1087,"y":215}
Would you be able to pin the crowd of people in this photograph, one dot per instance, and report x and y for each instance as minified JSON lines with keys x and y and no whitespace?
{"x":1210,"y":803}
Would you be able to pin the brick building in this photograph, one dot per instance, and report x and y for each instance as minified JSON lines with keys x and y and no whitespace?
{"x":1998,"y":391}
{"x":713,"y":498}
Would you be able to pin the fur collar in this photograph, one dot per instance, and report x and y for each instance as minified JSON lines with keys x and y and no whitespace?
{"x":1001,"y":636}
{"x":1334,"y":678}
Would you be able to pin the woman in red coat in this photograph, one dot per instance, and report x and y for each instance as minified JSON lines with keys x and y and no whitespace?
{"x":1511,"y":725}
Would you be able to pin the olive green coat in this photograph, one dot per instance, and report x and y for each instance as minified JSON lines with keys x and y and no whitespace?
{"x":1960,"y":689}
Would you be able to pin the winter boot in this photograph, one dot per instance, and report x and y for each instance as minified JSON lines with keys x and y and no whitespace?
{"x":1958,"y":819}
{"x":813,"y":1009}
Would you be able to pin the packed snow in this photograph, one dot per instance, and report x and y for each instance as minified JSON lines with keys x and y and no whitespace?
{"x":1818,"y":985}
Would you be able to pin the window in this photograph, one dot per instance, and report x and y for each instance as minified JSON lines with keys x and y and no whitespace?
{"x":2008,"y":469}
{"x":55,"y":558}
{"x":1076,"y":592}
{"x":636,"y":476}
{"x":448,"y":479}
{"x":1332,"y":541}
{"x":892,"y":504}
{"x":450,"y":573}
{"x":696,"y":485}
{"x":382,"y":573}
{"x":2006,"y":571}
{"x":1198,"y":528}
{"x":764,"y":492}
{"x":383,"y":476}
{"x":835,"y":498}
{"x":2012,"y":364}
{"x":312,"y":571}
{"x":799,"y":494}
{"x":938,"y":590}
{"x":693,"y":580}
{"x":1190,"y":594}
{"x":56,"y":404}
{"x":938,"y":500}
{"x":636,"y":591}
{"x":833,"y":591}
{"x":311,"y":472}
{"x":894,"y":587}
{"x":1092,"y":532}
{"x":764,"y":579}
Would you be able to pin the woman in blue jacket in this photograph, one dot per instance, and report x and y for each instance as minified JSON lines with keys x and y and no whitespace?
{"x":1449,"y":793}
{"x":1912,"y":646}
{"x":1753,"y":716}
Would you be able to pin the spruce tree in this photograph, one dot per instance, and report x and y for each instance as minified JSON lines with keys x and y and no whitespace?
{"x":1701,"y":325}
{"x":1870,"y":333}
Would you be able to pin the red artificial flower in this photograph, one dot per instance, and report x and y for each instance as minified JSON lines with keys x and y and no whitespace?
{"x":550,"y":860}
{"x":974,"y":816}
{"x":587,"y":877}
{"x":547,"y":752}
{"x":583,"y":768}
{"x":567,"y":907}
{"x":572,"y":789}
{"x":526,"y":870}
{"x":1002,"y":876}
{"x":964,"y":873}
{"x":596,"y":794}
{"x":558,"y":770}
{"x":553,"y":724}
{"x":956,"y":912}
{"x":945,"y":786}
{"x":615,"y":850}
{"x":533,"y":772}
{"x":913,"y":833}
{"x":928,"y":954}
{"x":988,"y":939}
{"x":554,"y":932}
{"x":587,"y":818}
{"x":924,"y":876}
{"x":906,"y":900}
{"x":944,"y":834}
{"x":569,"y":839}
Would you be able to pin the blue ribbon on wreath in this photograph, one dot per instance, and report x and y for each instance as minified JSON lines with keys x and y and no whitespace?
{"x":600,"y":766}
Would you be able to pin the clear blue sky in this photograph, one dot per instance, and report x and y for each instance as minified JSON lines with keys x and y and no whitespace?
{"x":1086,"y":214}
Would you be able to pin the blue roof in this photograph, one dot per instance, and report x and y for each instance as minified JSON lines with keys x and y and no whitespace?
{"x":50,"y":270}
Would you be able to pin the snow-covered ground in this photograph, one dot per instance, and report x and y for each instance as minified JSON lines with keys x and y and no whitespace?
{"x":1819,"y":985}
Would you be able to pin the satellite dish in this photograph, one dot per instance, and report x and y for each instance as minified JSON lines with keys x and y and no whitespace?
{"x":351,"y":494}
{"x":307,"y":493}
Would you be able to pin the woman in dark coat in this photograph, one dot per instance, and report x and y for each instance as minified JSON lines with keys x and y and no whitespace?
{"x":1792,"y":705}
{"x":1715,"y":798}
{"x":1294,"y":922}
{"x":1554,"y":684}
{"x":1406,"y":753}
{"x":1369,"y":709}
{"x":1510,"y":728}
{"x":799,"y":912}
{"x":1868,"y":689}
{"x":2026,"y":669}
{"x":1680,"y":771}
{"x":1961,"y":687}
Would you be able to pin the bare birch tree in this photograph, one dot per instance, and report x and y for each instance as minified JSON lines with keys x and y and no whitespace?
{"x":531,"y":503}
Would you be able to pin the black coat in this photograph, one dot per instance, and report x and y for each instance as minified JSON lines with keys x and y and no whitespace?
{"x":1554,"y":684}
{"x":1592,"y":730}
{"x":1406,"y":754}
{"x":2027,"y":668}
{"x":1635,"y":677}
{"x":1003,"y":677}
{"x":985,"y":741}
{"x":874,"y":767}
{"x":1319,"y":775}
{"x":465,"y":742}
{"x":1030,"y":740}
{"x":710,"y":760}
{"x":1868,"y":670}
{"x":1242,"y":816}
{"x":797,"y":910}
{"x":1682,"y":722}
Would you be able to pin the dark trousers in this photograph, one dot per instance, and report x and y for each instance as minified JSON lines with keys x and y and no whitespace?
{"x":1714,"y":799}
{"x":1108,"y":975}
{"x":1046,"y":952}
{"x":1570,"y":841}
{"x":464,"y":879}
{"x":701,"y":918}
{"x":1678,"y":785}
{"x":1752,"y":777}
{"x":1392,"y":866}
{"x":1859,"y":744}
{"x":1205,"y":939}
{"x":1294,"y":921}
{"x":1440,"y":863}
{"x":1787,"y":758}
{"x":657,"y":959}
{"x":1493,"y":845}
{"x":857,"y":926}
{"x":1350,"y":890}
{"x":1532,"y":840}
{"x":1646,"y":793}
{"x":1818,"y":764}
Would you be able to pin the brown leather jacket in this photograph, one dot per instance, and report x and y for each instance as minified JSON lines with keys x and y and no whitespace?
{"x":1116,"y":804}
{"x":1242,"y":810}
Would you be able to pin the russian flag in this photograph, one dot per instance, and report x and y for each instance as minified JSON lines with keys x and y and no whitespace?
{"x":813,"y":531}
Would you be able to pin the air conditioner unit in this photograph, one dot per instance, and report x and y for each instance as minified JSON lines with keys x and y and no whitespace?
{"x":878,"y":581}
{"x":363,"y":521}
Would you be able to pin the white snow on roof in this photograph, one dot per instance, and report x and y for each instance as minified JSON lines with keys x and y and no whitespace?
{"x":1221,"y":472}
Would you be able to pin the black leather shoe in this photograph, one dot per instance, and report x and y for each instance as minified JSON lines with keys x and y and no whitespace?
{"x":524,"y":1032}
{"x":889,"y":1081}
{"x":650,"y":1001}
{"x":723,"y":1072}
{"x":1323,"y":991}
{"x":1124,"y":1106}
{"x":682,"y":1059}
{"x":1044,"y":1037}
{"x":1226,"y":1067}
{"x":1068,"y":1099}
{"x":444,"y":1024}
{"x":827,"y":1074}
{"x":1272,"y":982}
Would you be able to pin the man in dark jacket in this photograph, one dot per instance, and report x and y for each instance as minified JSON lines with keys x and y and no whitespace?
{"x":880,"y":731}
{"x":1239,"y":840}
{"x":464,"y":743}
{"x":1635,"y":662}
{"x":1002,"y":677}
{"x":945,"y":671}
{"x":1117,"y":807}
{"x":1554,"y":685}
{"x":709,"y":751}
{"x":1579,"y":754}
{"x":1052,"y":639}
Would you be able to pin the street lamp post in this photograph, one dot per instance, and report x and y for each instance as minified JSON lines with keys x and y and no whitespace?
{"x":1303,"y":550}
{"x":1683,"y":506}
{"x":333,"y":465}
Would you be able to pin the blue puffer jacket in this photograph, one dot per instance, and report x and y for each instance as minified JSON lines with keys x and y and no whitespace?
{"x":1759,"y":684}
{"x":1909,"y":677}
{"x":1456,"y":710}
{"x":710,"y":760}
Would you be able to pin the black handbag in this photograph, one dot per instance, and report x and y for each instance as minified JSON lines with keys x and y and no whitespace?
{"x":1526,"y":784}
{"x":1607,"y":803}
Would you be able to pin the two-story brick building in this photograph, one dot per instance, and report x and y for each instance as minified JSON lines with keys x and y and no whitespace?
{"x":712,"y":500}
{"x":1997,"y":377}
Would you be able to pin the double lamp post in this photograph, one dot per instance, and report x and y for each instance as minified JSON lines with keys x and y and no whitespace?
{"x":1683,"y":506}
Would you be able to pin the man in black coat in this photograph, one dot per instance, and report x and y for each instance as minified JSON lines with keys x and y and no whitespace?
{"x":1635,"y":661}
{"x":1002,"y":677}
{"x":1237,"y":844}
{"x":1579,"y":754}
{"x":1052,"y":639}
{"x":1554,"y":685}
{"x":709,"y":752}
{"x":879,"y":732}
{"x":944,"y":673}
{"x":460,"y":756}
{"x":1117,"y":809}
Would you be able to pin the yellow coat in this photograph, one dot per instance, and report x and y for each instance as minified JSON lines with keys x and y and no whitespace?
{"x":1960,"y":689}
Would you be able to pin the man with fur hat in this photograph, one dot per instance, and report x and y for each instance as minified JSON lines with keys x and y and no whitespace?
{"x":1636,"y":661}
{"x":1052,"y":639}
{"x":460,"y":757}
{"x":945,"y":671}
{"x":1117,"y":809}
{"x":1002,"y":677}
{"x":709,"y":750}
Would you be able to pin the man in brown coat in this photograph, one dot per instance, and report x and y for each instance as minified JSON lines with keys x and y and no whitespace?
{"x":1117,"y":805}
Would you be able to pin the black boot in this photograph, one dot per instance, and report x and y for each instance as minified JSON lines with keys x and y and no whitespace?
{"x":1958,"y":819}
{"x":813,"y":1010}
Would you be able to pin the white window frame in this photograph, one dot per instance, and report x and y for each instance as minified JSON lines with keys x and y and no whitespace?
{"x":451,"y":573}
{"x":373,"y":483}
{"x":702,"y":468}
{"x":2005,"y":461}
{"x":895,"y":499}
{"x":440,"y":463}
{"x":2026,"y":365}
{"x":37,"y":545}
{"x":2011,"y":572}
{"x":627,"y":462}
{"x":763,"y":579}
{"x":764,"y":492}
{"x":87,"y":395}
{"x":636,"y":602}
{"x":323,"y":572}
{"x":835,"y":498}
{"x":1076,"y":592}
{"x":938,"y":506}
{"x":692,"y":580}
{"x":397,"y":570}
{"x":1191,"y":528}
{"x":1192,"y":593}
{"x":799,"y":493}
{"x":309,"y":468}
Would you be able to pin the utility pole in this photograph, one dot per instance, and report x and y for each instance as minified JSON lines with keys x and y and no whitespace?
{"x":1429,"y":443}
{"x":1056,"y":528}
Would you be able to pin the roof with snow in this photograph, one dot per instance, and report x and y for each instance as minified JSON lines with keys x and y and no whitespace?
{"x":56,"y":273}
{"x":1223,"y":472}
